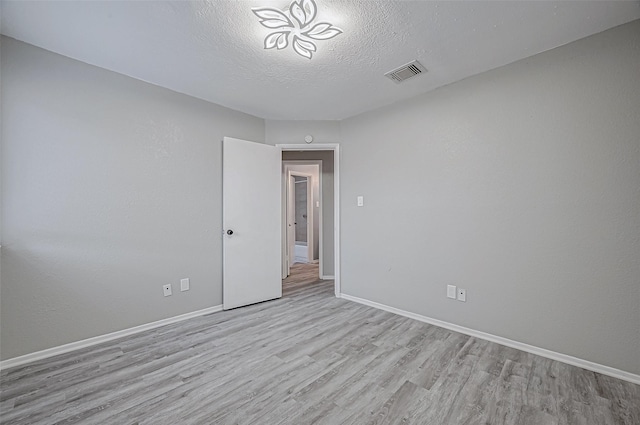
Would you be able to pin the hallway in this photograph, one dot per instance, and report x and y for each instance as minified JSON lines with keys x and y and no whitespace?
{"x":302,"y":276}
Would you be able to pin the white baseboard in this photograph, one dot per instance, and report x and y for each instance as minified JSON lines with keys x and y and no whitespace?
{"x":66,"y":348}
{"x":564,"y":358}
{"x":327,"y":277}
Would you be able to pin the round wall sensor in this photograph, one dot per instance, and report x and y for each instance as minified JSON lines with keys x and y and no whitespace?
{"x":308,"y":139}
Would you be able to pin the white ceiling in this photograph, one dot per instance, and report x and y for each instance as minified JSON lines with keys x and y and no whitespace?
{"x":213,"y":49}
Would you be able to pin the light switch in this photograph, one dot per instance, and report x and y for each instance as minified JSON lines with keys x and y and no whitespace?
{"x":184,"y":284}
{"x":451,"y":291}
{"x":360,"y":201}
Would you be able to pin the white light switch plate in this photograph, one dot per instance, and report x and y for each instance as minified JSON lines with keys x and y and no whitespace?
{"x":360,"y":201}
{"x":451,"y":291}
{"x":184,"y":284}
{"x":166,"y":289}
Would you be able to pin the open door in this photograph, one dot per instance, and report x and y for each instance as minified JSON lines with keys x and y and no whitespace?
{"x":251,"y":216}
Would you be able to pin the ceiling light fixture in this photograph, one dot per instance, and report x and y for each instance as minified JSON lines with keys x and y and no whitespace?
{"x":297,"y":22}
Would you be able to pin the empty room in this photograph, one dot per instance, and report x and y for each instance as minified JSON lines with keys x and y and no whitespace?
{"x":335,"y":212}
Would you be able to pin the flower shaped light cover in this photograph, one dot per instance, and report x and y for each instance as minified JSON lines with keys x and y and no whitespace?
{"x":297,"y":23}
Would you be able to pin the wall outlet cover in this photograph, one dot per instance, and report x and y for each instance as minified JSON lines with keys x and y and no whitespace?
{"x":462,"y":295}
{"x":166,"y":289}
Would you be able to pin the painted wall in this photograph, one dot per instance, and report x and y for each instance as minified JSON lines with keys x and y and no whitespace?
{"x":294,"y":131}
{"x":111,"y":188}
{"x":521,"y":185}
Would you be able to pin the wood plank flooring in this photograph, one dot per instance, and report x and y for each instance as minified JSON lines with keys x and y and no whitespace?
{"x":302,"y":276}
{"x":309,"y":358}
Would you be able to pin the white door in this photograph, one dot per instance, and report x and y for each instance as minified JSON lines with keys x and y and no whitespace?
{"x":251,"y":219}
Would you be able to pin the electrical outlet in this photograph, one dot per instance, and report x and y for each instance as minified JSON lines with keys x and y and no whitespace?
{"x":184,"y":284}
{"x":167,"y":290}
{"x":462,"y":295}
{"x":451,"y":291}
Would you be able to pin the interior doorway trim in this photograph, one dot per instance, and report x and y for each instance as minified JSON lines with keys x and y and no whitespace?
{"x":335,"y":148}
{"x":289,"y":168}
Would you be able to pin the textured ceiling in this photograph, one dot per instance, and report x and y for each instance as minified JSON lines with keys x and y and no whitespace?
{"x":213,"y":50}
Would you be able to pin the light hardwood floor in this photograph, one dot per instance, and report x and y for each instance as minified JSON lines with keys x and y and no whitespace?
{"x":309,"y":358}
{"x":303,"y":275}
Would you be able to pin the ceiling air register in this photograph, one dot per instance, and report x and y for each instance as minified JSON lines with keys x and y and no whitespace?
{"x":406,"y":71}
{"x":295,"y":26}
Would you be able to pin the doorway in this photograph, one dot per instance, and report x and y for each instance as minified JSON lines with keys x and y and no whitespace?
{"x":301,"y":222}
{"x":302,"y":208}
{"x":303,"y":219}
{"x":327,"y":155}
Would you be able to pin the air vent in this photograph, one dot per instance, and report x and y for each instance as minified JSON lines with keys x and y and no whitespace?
{"x":406,"y":71}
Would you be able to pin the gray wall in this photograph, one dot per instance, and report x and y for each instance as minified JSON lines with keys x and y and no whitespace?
{"x":294,"y":131}
{"x":111,"y":188}
{"x":521,"y":185}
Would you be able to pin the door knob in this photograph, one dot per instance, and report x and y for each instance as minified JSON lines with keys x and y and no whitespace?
{"x":229,"y":232}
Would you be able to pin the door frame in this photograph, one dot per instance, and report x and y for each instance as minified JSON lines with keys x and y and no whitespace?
{"x":317,"y":218}
{"x":335,"y":148}
{"x":311,"y":216}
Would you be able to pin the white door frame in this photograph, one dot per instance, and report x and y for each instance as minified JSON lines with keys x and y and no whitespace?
{"x":335,"y":147}
{"x":310,"y":214}
{"x":317,"y":218}
{"x":289,"y":241}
